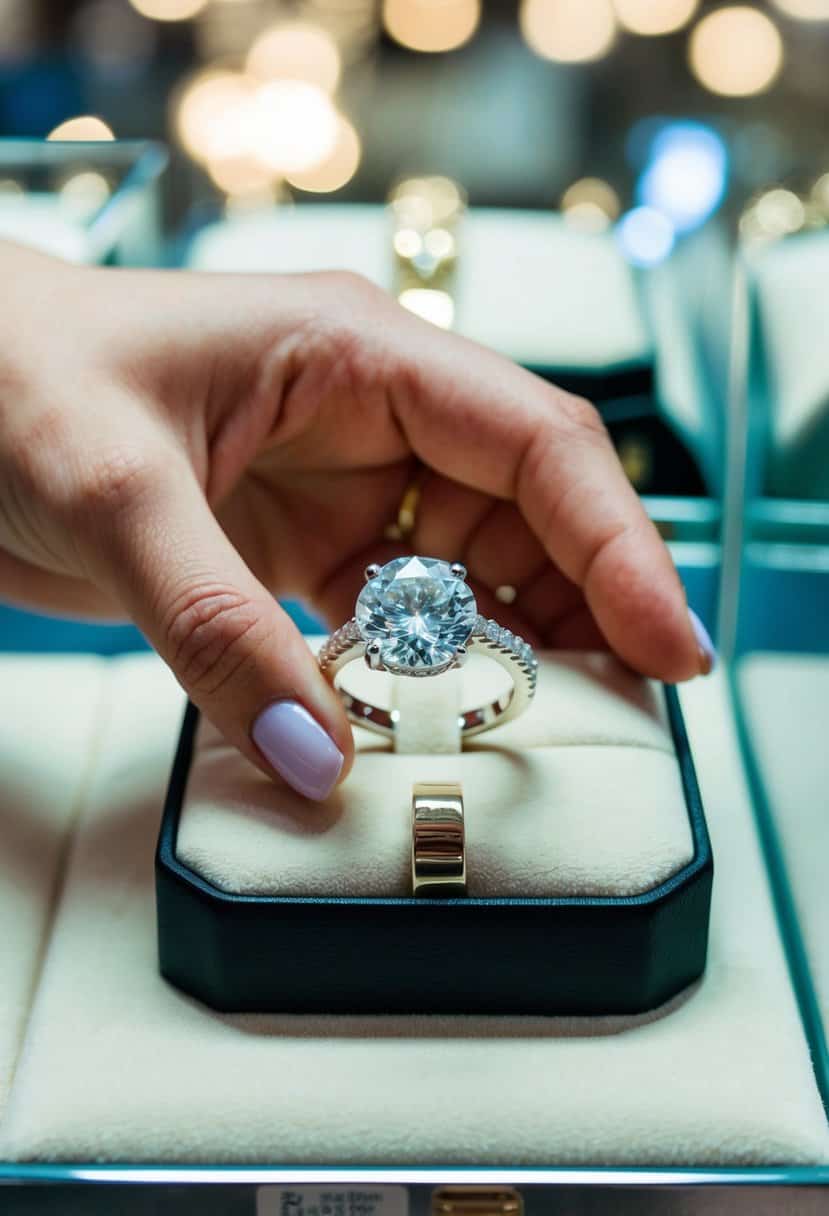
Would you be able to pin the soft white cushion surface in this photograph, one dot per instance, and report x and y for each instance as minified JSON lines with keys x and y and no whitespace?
{"x":119,"y":1066}
{"x":786,"y":702}
{"x":579,"y":795}
{"x":51,"y":710}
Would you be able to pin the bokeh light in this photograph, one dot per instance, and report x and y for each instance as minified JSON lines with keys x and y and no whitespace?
{"x":296,"y":51}
{"x":736,"y":51}
{"x":429,"y":303}
{"x":645,"y":236}
{"x":296,"y":126}
{"x":570,"y":31}
{"x":86,"y":128}
{"x":590,"y":204}
{"x":240,"y":174}
{"x":431,"y":25}
{"x":651,"y":17}
{"x":686,"y":175}
{"x":168,"y":10}
{"x":337,"y":169}
{"x":804,"y":10}
{"x":213,"y":115}
{"x":85,"y":193}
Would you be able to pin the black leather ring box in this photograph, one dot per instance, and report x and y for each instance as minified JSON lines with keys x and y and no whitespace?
{"x":558,"y":956}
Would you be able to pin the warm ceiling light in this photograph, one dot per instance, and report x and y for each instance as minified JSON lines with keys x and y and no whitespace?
{"x":804,"y":10}
{"x":654,"y":16}
{"x":570,"y":31}
{"x":592,"y":192}
{"x":213,"y":115}
{"x":736,"y":51}
{"x":85,"y":128}
{"x":296,"y":52}
{"x":296,"y":126}
{"x":168,"y":10}
{"x":431,"y":25}
{"x":337,"y":169}
{"x":240,"y":175}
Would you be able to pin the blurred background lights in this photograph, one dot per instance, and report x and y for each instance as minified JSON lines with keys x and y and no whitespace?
{"x":214,"y":107}
{"x":431,"y":25}
{"x":296,"y":52}
{"x":240,"y":174}
{"x":85,"y":193}
{"x":687,"y":174}
{"x":654,"y":16}
{"x":168,"y":10}
{"x":805,"y":10}
{"x":779,"y":212}
{"x":84,"y":128}
{"x":570,"y":31}
{"x":337,"y":168}
{"x":736,"y":51}
{"x":296,"y":126}
{"x":590,"y":204}
{"x":645,"y":236}
{"x":429,"y":303}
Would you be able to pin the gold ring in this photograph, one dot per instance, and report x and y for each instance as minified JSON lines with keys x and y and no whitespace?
{"x":438,"y":841}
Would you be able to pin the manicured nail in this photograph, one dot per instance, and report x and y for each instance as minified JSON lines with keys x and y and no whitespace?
{"x":298,"y":748}
{"x":707,"y":652}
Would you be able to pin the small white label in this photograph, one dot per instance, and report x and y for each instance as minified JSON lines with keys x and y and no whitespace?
{"x":336,"y":1200}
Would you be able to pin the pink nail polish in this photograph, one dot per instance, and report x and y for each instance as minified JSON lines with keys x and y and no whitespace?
{"x":295,"y":744}
{"x":707,"y":650}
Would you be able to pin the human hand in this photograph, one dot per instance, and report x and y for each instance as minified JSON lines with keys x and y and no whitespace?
{"x":179,"y":448}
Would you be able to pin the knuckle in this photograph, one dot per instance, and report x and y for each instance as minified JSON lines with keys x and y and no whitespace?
{"x":113,"y":484}
{"x":211,"y":634}
{"x":581,"y":415}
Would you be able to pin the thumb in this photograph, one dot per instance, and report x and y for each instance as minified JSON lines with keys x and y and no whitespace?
{"x":233,"y":649}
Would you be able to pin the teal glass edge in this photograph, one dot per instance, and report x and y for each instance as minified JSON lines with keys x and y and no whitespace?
{"x":784,"y":906}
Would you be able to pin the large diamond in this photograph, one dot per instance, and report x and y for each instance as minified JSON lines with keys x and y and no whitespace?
{"x":420,"y":612}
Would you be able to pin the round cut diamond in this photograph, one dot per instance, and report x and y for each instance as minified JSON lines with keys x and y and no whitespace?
{"x":419,"y":611}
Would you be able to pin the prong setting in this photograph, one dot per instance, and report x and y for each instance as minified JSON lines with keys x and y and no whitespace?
{"x":371,"y":571}
{"x":373,"y":655}
{"x":461,"y":655}
{"x":458,"y":570}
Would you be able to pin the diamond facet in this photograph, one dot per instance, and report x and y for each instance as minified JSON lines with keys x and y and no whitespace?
{"x":419,"y":611}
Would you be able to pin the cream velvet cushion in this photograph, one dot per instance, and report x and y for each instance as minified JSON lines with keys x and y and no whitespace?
{"x":786,"y":703}
{"x":117,"y":1065}
{"x":579,"y":795}
{"x":52,"y":710}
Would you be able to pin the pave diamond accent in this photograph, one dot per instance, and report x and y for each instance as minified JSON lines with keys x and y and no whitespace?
{"x":419,"y":611}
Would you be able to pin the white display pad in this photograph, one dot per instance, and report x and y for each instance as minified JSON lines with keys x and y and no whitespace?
{"x":581,"y":795}
{"x":525,"y":280}
{"x":51,"y":713}
{"x":118,"y":1066}
{"x":786,"y":703}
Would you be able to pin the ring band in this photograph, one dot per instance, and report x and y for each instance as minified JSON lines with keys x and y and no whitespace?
{"x":438,"y":840}
{"x":417,"y":617}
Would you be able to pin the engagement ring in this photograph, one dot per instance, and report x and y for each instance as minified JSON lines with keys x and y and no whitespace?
{"x":416,"y":616}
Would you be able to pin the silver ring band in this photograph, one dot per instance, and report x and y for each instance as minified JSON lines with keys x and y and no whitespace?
{"x":509,"y":650}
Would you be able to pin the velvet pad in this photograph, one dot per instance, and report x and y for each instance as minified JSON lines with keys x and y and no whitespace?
{"x":118,"y":1066}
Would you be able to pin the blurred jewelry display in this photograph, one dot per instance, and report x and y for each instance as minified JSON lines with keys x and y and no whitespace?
{"x":438,"y":840}
{"x":416,"y":616}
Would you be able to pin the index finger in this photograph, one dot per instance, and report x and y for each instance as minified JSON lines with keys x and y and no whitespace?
{"x":485,"y":422}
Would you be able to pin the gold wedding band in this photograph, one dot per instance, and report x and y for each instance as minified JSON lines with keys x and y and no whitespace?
{"x":438,"y":842}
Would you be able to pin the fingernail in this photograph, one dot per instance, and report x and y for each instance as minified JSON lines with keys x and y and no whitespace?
{"x":707,"y":651}
{"x":298,"y":748}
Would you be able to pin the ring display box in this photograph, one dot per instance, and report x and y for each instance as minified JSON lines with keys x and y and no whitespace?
{"x":590,"y":868}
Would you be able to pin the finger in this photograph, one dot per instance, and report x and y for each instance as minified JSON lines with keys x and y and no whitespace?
{"x":481,"y":420}
{"x":29,"y":586}
{"x":233,"y":649}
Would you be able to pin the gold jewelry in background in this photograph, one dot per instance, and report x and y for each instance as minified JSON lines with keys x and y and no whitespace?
{"x":404,"y":525}
{"x":438,"y":840}
{"x":426,"y":213}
